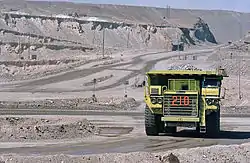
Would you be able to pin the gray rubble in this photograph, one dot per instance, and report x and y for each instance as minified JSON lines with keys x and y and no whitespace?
{"x":183,"y":67}
{"x":29,"y":129}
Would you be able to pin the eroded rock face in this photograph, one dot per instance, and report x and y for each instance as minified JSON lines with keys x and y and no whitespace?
{"x":202,"y":32}
{"x":40,"y":29}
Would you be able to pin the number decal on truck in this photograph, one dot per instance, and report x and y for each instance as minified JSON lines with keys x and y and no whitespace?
{"x":186,"y":101}
{"x":183,"y":101}
{"x":174,"y":98}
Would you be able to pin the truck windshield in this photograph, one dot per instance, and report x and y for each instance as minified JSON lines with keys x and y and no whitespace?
{"x":211,"y":83}
{"x":158,"y":80}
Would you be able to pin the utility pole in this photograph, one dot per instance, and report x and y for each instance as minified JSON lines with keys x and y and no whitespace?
{"x":239,"y":78}
{"x":19,"y":45}
{"x":168,"y":12}
{"x":239,"y":73}
{"x":125,"y":88}
{"x":177,"y":39}
{"x":103,"y":42}
{"x":93,"y":41}
{"x":178,"y":42}
{"x":128,"y":37}
{"x":94,"y":82}
{"x":29,"y":47}
{"x":94,"y":95}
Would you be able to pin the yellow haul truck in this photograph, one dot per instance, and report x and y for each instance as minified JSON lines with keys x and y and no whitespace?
{"x":186,"y":98}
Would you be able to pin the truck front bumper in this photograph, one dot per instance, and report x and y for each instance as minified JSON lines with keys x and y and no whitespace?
{"x":180,"y":119}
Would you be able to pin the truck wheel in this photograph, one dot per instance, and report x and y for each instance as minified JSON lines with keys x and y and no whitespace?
{"x":197,"y":128}
{"x":152,"y":126}
{"x":213,"y":123}
{"x":160,"y":124}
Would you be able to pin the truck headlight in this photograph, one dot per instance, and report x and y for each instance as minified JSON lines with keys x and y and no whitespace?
{"x":159,"y":100}
{"x":153,"y":100}
{"x":212,"y":101}
{"x":215,"y":101}
{"x":209,"y":101}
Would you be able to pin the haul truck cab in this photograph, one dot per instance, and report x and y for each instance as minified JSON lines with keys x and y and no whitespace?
{"x":186,"y":98}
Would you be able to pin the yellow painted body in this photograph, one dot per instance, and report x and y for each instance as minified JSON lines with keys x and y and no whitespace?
{"x":180,"y":119}
{"x":210,"y":92}
{"x":213,"y":92}
{"x":155,"y":108}
{"x":184,"y":72}
{"x":218,"y":72}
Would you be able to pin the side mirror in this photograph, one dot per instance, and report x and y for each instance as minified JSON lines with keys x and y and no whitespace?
{"x":144,"y":83}
{"x":164,"y":88}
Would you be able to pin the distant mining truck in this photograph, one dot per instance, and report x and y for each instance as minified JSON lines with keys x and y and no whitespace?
{"x":185,"y":98}
{"x":177,"y":46}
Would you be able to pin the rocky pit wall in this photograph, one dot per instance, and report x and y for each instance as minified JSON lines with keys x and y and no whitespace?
{"x":68,"y":41}
{"x":20,"y":33}
{"x":217,"y":19}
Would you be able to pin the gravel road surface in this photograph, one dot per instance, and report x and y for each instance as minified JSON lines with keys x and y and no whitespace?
{"x":123,"y":134}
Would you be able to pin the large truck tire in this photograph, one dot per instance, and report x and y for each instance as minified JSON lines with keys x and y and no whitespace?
{"x":153,"y":123}
{"x":213,"y":124}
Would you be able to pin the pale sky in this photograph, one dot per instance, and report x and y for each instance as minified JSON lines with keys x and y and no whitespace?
{"x":236,"y":5}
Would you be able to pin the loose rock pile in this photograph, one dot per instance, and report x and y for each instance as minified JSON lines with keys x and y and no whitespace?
{"x":27,"y":129}
{"x":183,"y":67}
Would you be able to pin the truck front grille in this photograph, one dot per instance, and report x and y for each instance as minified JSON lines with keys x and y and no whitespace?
{"x":180,"y":105}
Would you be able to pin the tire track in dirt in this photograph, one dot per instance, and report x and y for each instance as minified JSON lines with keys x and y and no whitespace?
{"x":149,"y":65}
{"x":92,"y":112}
{"x":30,"y":86}
{"x":76,"y":74}
{"x":132,"y":142}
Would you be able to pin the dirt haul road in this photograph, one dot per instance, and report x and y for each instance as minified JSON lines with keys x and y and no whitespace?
{"x":77,"y":83}
{"x":121,"y":134}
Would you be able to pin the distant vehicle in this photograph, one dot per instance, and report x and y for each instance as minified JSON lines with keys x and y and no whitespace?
{"x":177,"y":46}
{"x":187,"y":98}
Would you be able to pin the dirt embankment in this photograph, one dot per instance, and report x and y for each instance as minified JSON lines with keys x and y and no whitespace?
{"x":114,"y":103}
